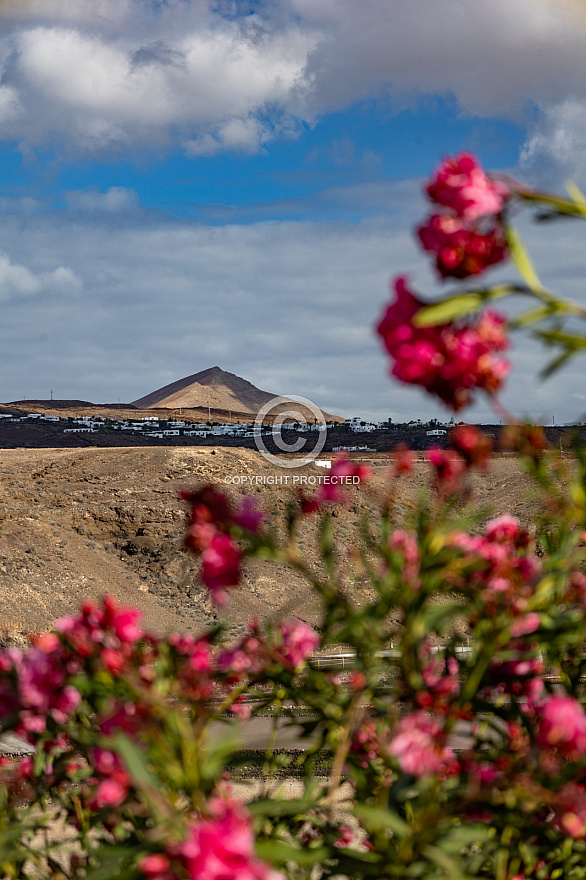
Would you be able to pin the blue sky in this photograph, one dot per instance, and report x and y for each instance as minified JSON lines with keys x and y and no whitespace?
{"x":191,"y":183}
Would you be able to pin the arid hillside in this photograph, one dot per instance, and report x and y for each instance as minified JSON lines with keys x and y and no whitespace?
{"x":221,"y":391}
{"x":76,"y":523}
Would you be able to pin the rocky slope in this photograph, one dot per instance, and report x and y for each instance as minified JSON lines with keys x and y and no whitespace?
{"x":76,"y":523}
{"x":219,"y":390}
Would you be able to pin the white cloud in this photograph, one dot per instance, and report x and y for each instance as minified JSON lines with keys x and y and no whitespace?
{"x":557,"y":140}
{"x":116,"y":199}
{"x":118,"y":72}
{"x":491,"y":54}
{"x":98,"y":90}
{"x":289,"y":306}
{"x":245,"y":135}
{"x":17,"y":282}
{"x":62,"y":280}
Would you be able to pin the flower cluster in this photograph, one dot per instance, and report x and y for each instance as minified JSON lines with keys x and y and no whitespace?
{"x":419,"y":748}
{"x":501,"y":567}
{"x":405,"y":544}
{"x":212,"y":523}
{"x":194,"y":666}
{"x":217,"y":846}
{"x":369,"y":748}
{"x":110,"y":632}
{"x":563,"y":727}
{"x":289,"y":646}
{"x":468,"y":236}
{"x":440,"y":676}
{"x":468,"y":448}
{"x":449,"y":360}
{"x":35,"y":685}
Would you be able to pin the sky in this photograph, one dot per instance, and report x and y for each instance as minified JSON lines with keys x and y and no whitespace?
{"x":192,"y":183}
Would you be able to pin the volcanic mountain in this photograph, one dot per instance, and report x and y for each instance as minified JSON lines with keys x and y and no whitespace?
{"x":219,"y":390}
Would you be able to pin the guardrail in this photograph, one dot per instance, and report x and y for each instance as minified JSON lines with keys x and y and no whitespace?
{"x":347,"y":659}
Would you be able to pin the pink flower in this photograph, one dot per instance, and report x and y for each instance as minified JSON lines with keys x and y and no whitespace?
{"x":250,"y":657}
{"x":333,"y":485}
{"x":25,"y":768}
{"x":526,"y":625}
{"x":503,"y":529}
{"x":212,"y":522}
{"x":194,"y":667}
{"x":291,"y":644}
{"x":570,"y":809}
{"x":449,"y":467}
{"x":346,"y":836}
{"x":298,"y":642}
{"x":343,"y":473}
{"x":367,"y":743}
{"x":563,"y":726}
{"x":220,"y":846}
{"x":462,"y":250}
{"x":405,"y":543}
{"x":441,"y":680}
{"x":418,"y":748}
{"x":109,"y":793}
{"x":249,"y":517}
{"x":65,"y":704}
{"x":461,"y":185}
{"x":112,"y":660}
{"x":451,"y":360}
{"x":240,"y":708}
{"x":404,"y":462}
{"x":212,"y":512}
{"x":155,"y":866}
{"x":122,"y":620}
{"x":113,"y":627}
{"x":471,"y":444}
{"x":221,"y":566}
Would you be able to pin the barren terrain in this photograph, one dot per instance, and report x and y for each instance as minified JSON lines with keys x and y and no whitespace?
{"x":77,"y":523}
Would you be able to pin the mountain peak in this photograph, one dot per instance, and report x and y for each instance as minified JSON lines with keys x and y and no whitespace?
{"x":214,"y":388}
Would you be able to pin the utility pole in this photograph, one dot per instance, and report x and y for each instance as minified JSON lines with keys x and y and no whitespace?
{"x":51,"y":395}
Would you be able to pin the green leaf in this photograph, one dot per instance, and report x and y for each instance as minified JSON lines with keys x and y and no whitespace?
{"x":577,"y":196}
{"x":279,"y":853}
{"x":220,"y":747}
{"x":376,"y":818}
{"x":109,"y":858}
{"x":465,"y":835}
{"x":575,"y":207}
{"x":554,"y":365}
{"x":575,"y":341}
{"x":444,"y":861}
{"x":532,"y":316}
{"x":448,"y":309}
{"x":327,"y":543}
{"x":141,"y":776}
{"x":522,"y":260}
{"x":273,"y":807}
{"x":134,"y":760}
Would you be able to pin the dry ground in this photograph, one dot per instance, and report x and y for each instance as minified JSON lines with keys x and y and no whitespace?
{"x":76,"y":523}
